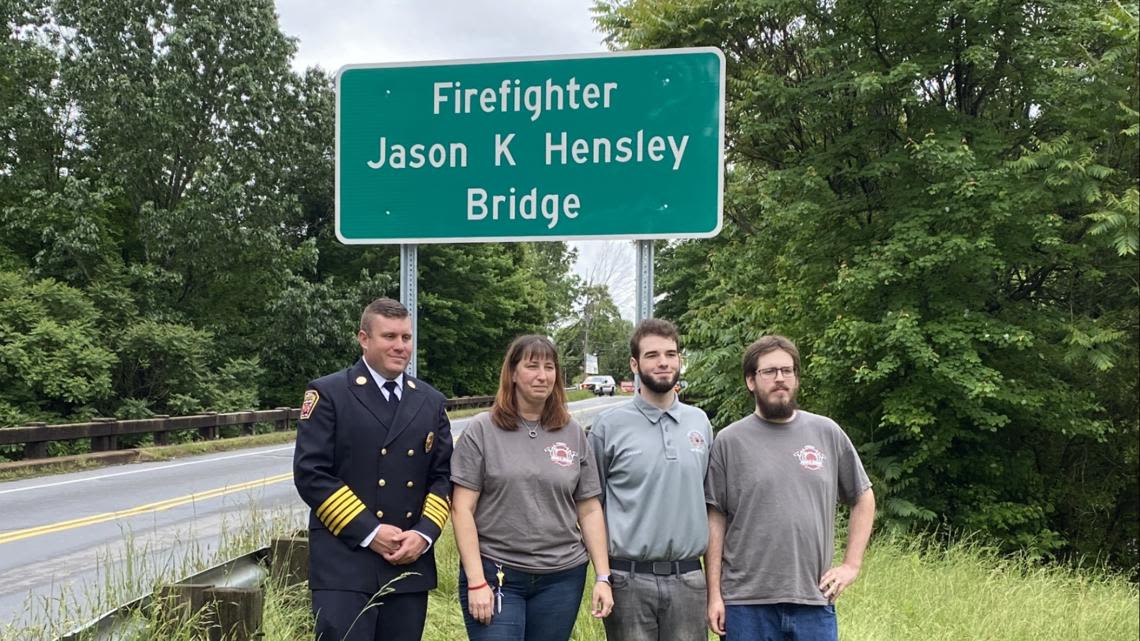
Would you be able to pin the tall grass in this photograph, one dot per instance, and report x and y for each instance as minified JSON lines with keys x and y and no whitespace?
{"x":910,"y":588}
{"x":915,"y":588}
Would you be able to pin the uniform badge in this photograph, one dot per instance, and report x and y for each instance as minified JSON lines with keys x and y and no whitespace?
{"x":411,"y":384}
{"x":309,"y":404}
{"x":360,"y":380}
{"x":429,"y":442}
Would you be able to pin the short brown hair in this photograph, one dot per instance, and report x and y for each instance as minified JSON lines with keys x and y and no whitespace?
{"x":764,"y":345}
{"x":652,"y":327}
{"x":385,"y":307}
{"x":505,"y":411}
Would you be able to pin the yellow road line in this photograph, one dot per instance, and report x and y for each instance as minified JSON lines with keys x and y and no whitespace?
{"x":159,"y":506}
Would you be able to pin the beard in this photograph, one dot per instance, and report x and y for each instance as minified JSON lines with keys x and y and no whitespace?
{"x":776,"y":409}
{"x":655,"y":386}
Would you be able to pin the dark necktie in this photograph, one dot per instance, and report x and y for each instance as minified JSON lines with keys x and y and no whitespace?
{"x":393,"y":400}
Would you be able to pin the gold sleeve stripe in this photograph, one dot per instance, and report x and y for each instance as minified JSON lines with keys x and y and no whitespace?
{"x":335,"y":525}
{"x":435,"y":512}
{"x":438,"y":517}
{"x":338,"y":507}
{"x":331,"y":500}
{"x":324,"y":508}
{"x":335,"y":517}
{"x":348,"y":519}
{"x":439,"y":521}
{"x":438,"y":502}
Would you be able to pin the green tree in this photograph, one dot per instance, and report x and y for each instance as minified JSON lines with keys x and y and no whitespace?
{"x":596,"y":328}
{"x":553,"y":263}
{"x":51,"y":361}
{"x":474,"y":300}
{"x":934,"y":201}
{"x":186,"y":111}
{"x":139,"y":165}
{"x":35,"y":118}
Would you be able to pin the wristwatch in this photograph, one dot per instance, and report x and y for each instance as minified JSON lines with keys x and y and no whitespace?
{"x":603,"y":578}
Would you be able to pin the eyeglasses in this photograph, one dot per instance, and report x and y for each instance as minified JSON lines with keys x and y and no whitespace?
{"x":770,"y":372}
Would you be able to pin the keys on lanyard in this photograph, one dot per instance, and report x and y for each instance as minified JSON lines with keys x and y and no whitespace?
{"x":499,"y":592}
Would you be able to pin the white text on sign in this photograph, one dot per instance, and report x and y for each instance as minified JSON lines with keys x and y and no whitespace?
{"x":451,"y":98}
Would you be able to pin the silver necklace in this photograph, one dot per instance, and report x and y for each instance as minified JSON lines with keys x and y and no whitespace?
{"x":531,"y":426}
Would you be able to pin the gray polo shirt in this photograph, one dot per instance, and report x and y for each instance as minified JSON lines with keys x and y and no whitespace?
{"x":652,"y":464}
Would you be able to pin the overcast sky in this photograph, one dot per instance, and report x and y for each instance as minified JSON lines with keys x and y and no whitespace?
{"x":330,"y":35}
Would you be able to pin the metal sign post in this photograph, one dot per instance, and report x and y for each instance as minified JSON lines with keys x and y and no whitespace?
{"x":409,"y":295}
{"x":644,"y":279}
{"x":644,"y":299}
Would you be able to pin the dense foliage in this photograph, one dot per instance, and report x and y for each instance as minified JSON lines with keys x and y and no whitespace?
{"x":938,"y":202}
{"x":166,"y":200}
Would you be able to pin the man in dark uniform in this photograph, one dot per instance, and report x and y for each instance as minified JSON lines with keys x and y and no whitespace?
{"x":373,"y":463}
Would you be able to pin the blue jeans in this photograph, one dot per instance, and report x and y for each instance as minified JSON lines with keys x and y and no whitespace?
{"x":780,"y":622}
{"x":536,"y":607}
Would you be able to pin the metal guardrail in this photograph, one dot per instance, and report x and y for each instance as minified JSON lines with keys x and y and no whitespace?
{"x":105,"y":432}
{"x":468,"y":402}
{"x":245,"y":571}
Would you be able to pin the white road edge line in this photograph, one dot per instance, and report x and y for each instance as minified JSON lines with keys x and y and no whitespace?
{"x":149,"y":469}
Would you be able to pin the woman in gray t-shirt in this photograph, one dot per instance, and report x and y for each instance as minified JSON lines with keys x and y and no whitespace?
{"x":526,"y":507}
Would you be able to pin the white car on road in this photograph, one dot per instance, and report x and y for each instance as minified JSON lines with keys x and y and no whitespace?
{"x":600,"y":385}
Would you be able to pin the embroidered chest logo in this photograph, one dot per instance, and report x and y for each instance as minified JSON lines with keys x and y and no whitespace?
{"x":561,"y":454}
{"x":810,"y":458}
{"x":696,"y":441}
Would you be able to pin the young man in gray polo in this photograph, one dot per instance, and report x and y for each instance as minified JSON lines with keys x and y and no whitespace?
{"x":774,"y":479}
{"x":652,"y":455}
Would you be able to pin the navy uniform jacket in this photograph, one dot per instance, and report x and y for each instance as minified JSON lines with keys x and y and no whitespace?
{"x":357,"y":467}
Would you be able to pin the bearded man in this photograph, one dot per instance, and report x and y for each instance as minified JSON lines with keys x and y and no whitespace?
{"x":773,"y":481}
{"x":652,"y":454}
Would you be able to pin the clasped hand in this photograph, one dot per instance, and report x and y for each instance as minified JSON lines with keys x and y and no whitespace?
{"x":398,"y":547}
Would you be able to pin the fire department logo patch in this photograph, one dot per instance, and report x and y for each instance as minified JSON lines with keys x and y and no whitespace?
{"x":309,"y":404}
{"x":810,"y":458}
{"x":696,"y":441}
{"x":429,"y":442}
{"x":561,"y":454}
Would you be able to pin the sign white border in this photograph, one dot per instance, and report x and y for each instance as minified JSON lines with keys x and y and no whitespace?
{"x":553,"y":238}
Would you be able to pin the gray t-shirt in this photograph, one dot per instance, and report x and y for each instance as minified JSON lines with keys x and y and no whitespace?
{"x":652,"y":463}
{"x":528,"y":488}
{"x":777,"y":485}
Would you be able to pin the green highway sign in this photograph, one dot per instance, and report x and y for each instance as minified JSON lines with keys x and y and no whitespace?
{"x":596,"y":146}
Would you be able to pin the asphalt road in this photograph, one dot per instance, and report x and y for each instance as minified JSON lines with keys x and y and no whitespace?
{"x":74,"y":545}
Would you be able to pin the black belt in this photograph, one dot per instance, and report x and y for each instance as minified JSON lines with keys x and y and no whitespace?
{"x":655,"y":567}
